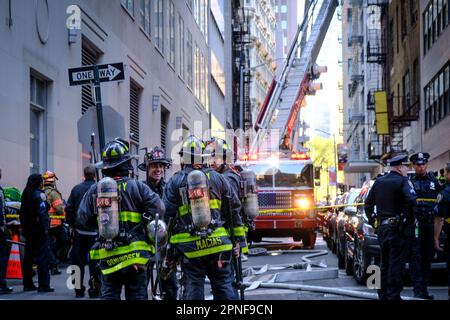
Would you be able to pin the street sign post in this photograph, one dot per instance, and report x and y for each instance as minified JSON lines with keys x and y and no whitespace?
{"x":95,"y":74}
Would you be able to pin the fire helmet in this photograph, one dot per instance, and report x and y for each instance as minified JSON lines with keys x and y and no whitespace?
{"x":115,"y":153}
{"x":192,"y":151}
{"x":155,"y":155}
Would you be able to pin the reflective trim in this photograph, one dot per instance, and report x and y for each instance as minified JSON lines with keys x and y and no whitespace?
{"x":125,"y":264}
{"x":98,"y":254}
{"x":131,"y":216}
{"x":187,"y":237}
{"x":245,"y":249}
{"x":238,"y":232}
{"x":213,"y":204}
{"x":57,"y":202}
{"x":206,"y":252}
{"x":447,"y":220}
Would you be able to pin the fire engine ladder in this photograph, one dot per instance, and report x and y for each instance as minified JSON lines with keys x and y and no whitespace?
{"x":286,"y":94}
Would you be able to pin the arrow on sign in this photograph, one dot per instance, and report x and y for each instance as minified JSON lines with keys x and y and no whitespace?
{"x":109,"y":73}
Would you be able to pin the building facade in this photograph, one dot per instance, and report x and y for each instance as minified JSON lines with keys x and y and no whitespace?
{"x":435,"y":80}
{"x":286,"y":15}
{"x":165,"y":47}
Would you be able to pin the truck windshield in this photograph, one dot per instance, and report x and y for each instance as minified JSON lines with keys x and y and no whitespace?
{"x":295,"y":174}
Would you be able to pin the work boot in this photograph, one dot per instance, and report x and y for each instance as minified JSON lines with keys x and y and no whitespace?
{"x":425,"y":296}
{"x":46,"y":289}
{"x":79,"y":293}
{"x":30,"y":288}
{"x":54,"y":271}
{"x":93,"y":293}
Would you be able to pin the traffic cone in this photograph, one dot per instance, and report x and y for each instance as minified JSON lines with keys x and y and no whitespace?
{"x":14,"y":270}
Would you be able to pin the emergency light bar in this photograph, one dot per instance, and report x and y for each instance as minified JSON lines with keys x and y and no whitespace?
{"x":299,"y":156}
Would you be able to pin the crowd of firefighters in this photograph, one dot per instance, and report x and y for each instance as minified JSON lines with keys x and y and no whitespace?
{"x":135,"y":234}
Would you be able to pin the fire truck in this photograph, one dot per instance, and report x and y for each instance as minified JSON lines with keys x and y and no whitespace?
{"x":285,"y":196}
{"x":285,"y":178}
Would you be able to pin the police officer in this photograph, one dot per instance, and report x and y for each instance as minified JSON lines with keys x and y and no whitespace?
{"x":35,"y":223}
{"x":442,"y":221}
{"x":155,"y":163}
{"x":4,"y":246}
{"x":83,"y":240}
{"x":395,"y":199}
{"x":58,"y":236}
{"x":427,"y":188}
{"x":120,"y":213}
{"x":194,"y":198}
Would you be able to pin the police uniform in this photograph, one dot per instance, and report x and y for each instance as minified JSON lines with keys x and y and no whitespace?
{"x":4,"y":246}
{"x":83,"y":241}
{"x":394,"y":197}
{"x":124,"y":262}
{"x":427,"y":188}
{"x":35,"y":224}
{"x":442,"y":209}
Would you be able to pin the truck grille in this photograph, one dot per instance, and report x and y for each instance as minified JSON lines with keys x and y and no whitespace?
{"x":274,"y":200}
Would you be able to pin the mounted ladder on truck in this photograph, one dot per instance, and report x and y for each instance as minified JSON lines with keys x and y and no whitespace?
{"x":280,"y":110}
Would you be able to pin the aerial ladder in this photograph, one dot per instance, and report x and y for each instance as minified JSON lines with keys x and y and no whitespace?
{"x":286,"y":94}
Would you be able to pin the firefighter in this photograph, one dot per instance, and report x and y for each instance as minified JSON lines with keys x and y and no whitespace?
{"x":442,"y":221}
{"x":194,"y":198}
{"x":427,"y":188}
{"x":120,"y":213}
{"x":395,"y":199}
{"x":83,"y":240}
{"x":220,"y":158}
{"x":4,"y":247}
{"x":58,"y":234}
{"x":155,"y":163}
{"x":35,"y":224}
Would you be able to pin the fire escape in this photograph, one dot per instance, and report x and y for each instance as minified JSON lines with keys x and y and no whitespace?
{"x":241,"y":59}
{"x":376,"y":58}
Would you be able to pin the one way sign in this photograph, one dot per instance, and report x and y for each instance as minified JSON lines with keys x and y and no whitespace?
{"x":106,"y":72}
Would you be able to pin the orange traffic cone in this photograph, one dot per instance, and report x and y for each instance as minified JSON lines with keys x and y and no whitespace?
{"x":14,"y":270}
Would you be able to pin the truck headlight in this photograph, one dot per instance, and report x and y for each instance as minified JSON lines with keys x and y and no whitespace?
{"x":302,"y":203}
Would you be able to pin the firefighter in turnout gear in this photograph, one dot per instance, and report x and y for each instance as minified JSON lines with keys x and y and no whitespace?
{"x":58,"y":233}
{"x":427,"y":188}
{"x":219,"y":156}
{"x":201,"y":235}
{"x":155,"y":163}
{"x":120,"y":209}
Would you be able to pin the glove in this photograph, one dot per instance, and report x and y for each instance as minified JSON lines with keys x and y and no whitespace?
{"x":237,"y":250}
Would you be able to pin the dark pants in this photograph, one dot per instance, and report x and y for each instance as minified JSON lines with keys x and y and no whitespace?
{"x":36,"y":249}
{"x":169,"y":286}
{"x":4,"y":257}
{"x":221,"y":278}
{"x":80,"y":256}
{"x":421,"y":255}
{"x":135,"y":282}
{"x":58,"y":244}
{"x":394,"y":250}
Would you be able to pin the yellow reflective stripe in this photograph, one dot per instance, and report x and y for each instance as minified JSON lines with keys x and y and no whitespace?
{"x":447,"y":220}
{"x":187,"y":237}
{"x":113,"y":153}
{"x":213,"y":204}
{"x":131,"y":216}
{"x":246,"y":229}
{"x":125,"y":264}
{"x":97,"y":254}
{"x":425,"y":200}
{"x":238,"y":232}
{"x":206,"y":252}
{"x":245,"y":249}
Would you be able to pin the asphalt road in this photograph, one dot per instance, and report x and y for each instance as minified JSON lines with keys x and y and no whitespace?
{"x":325,"y":276}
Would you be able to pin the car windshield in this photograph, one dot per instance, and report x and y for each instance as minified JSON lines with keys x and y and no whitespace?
{"x":289,"y":174}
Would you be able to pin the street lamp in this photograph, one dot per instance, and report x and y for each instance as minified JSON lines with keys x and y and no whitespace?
{"x":334,"y":151}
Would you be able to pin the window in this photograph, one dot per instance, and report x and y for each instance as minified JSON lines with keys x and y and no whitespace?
{"x":172,"y":33}
{"x":413,"y":11}
{"x":397,"y":21}
{"x":89,"y":56}
{"x":144,"y":16}
{"x":349,"y":15}
{"x":129,"y":5}
{"x":189,"y":62}
{"x":283,"y":8}
{"x":403,"y":19}
{"x":406,"y":97}
{"x":181,"y":46}
{"x":425,"y":32}
{"x":135,"y":94}
{"x":436,"y":102}
{"x":197,"y":76}
{"x":164,"y":122}
{"x":284,"y":24}
{"x":159,"y":25}
{"x":38,"y":106}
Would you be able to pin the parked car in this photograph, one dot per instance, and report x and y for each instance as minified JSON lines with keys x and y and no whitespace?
{"x":362,"y":248}
{"x":331,"y":223}
{"x":341,"y":220}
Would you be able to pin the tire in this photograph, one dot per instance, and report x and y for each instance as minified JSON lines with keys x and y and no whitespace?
{"x":360,"y":264}
{"x":297,"y":237}
{"x":348,"y":263}
{"x":309,"y":240}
